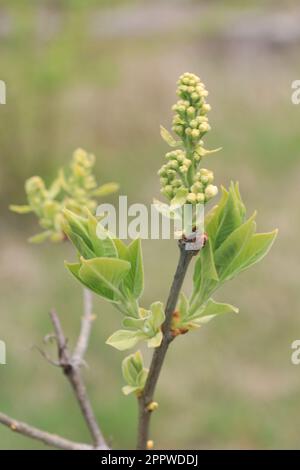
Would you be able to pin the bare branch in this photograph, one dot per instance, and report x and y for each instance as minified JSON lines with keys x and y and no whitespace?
{"x":72,"y":372}
{"x":85,"y":331}
{"x":47,"y":438}
{"x":160,"y":352}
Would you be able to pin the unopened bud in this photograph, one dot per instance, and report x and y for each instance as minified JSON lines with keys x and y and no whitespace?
{"x":211,"y":191}
{"x":153,"y":405}
{"x":195,"y":133}
{"x":191,"y":197}
{"x":206,"y":108}
{"x":200,"y":198}
{"x":150,"y":444}
{"x":190,"y":111}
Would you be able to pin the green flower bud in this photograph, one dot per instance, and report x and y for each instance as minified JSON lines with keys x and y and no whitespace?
{"x":176,"y":183}
{"x":179,"y":130}
{"x":191,"y":197}
{"x":211,"y":191}
{"x":200,"y":198}
{"x":187,"y":162}
{"x":171,"y":174}
{"x":204,"y":127}
{"x":181,"y":109}
{"x":194,"y":123}
{"x":195,"y":133}
{"x":173,"y":164}
{"x":190,"y":111}
{"x":167,"y":191}
{"x":188,"y":131}
{"x":34,"y":184}
{"x":183,"y":169}
{"x":195,"y":96}
{"x":206,"y":108}
{"x":197,"y":187}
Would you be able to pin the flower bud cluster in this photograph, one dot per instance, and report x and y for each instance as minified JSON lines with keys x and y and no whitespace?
{"x":190,"y":123}
{"x":74,"y":189}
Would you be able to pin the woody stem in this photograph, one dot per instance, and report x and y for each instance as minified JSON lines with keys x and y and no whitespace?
{"x":159,"y":353}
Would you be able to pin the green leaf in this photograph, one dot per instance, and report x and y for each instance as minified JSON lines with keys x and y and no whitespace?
{"x":135,"y":278}
{"x":134,"y":323}
{"x":124,"y":339}
{"x":103,"y":276}
{"x":213,"y":217}
{"x":255,"y":249}
{"x":102,"y":242}
{"x":134,"y":373}
{"x":180,"y":198}
{"x":183,"y":305}
{"x":127,"y":389}
{"x":158,"y":315}
{"x":230,"y":219}
{"x":74,"y":223}
{"x":168,"y":137}
{"x":226,"y":255}
{"x":166,"y":210}
{"x":40,"y":237}
{"x":121,"y":248}
{"x":134,"y":281}
{"x":106,"y":189}
{"x":239,"y":201}
{"x":210,"y":310}
{"x":205,"y":276}
{"x":74,"y":269}
{"x":20,"y":209}
{"x":155,"y":341}
{"x":81,"y":246}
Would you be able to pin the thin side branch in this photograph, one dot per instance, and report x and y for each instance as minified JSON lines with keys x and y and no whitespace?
{"x":47,"y":438}
{"x":159,"y":353}
{"x":72,"y":372}
{"x":85,"y":331}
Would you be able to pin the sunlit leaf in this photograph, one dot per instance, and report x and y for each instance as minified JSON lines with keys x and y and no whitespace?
{"x":168,"y":137}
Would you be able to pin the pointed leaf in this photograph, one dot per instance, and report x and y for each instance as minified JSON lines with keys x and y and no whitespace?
{"x":40,"y":237}
{"x":226,"y":255}
{"x":168,"y":137}
{"x":124,"y":339}
{"x":135,"y":278}
{"x":255,"y":249}
{"x":134,"y":323}
{"x":183,"y":305}
{"x":210,"y":310}
{"x":106,"y":189}
{"x":158,"y":315}
{"x":179,"y":199}
{"x":230,"y":219}
{"x":155,"y":341}
{"x":20,"y":209}
{"x":102,"y":243}
{"x":127,"y":389}
{"x":81,"y":246}
{"x":103,"y":275}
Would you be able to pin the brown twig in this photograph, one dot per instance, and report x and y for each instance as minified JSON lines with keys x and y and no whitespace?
{"x":47,"y":438}
{"x":159,"y":353}
{"x":71,"y":369}
{"x":85,"y":331}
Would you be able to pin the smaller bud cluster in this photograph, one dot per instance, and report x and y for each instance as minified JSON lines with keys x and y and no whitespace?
{"x":190,"y":123}
{"x":74,"y":189}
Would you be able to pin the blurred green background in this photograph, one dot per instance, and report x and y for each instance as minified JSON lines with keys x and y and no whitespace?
{"x":101,"y":75}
